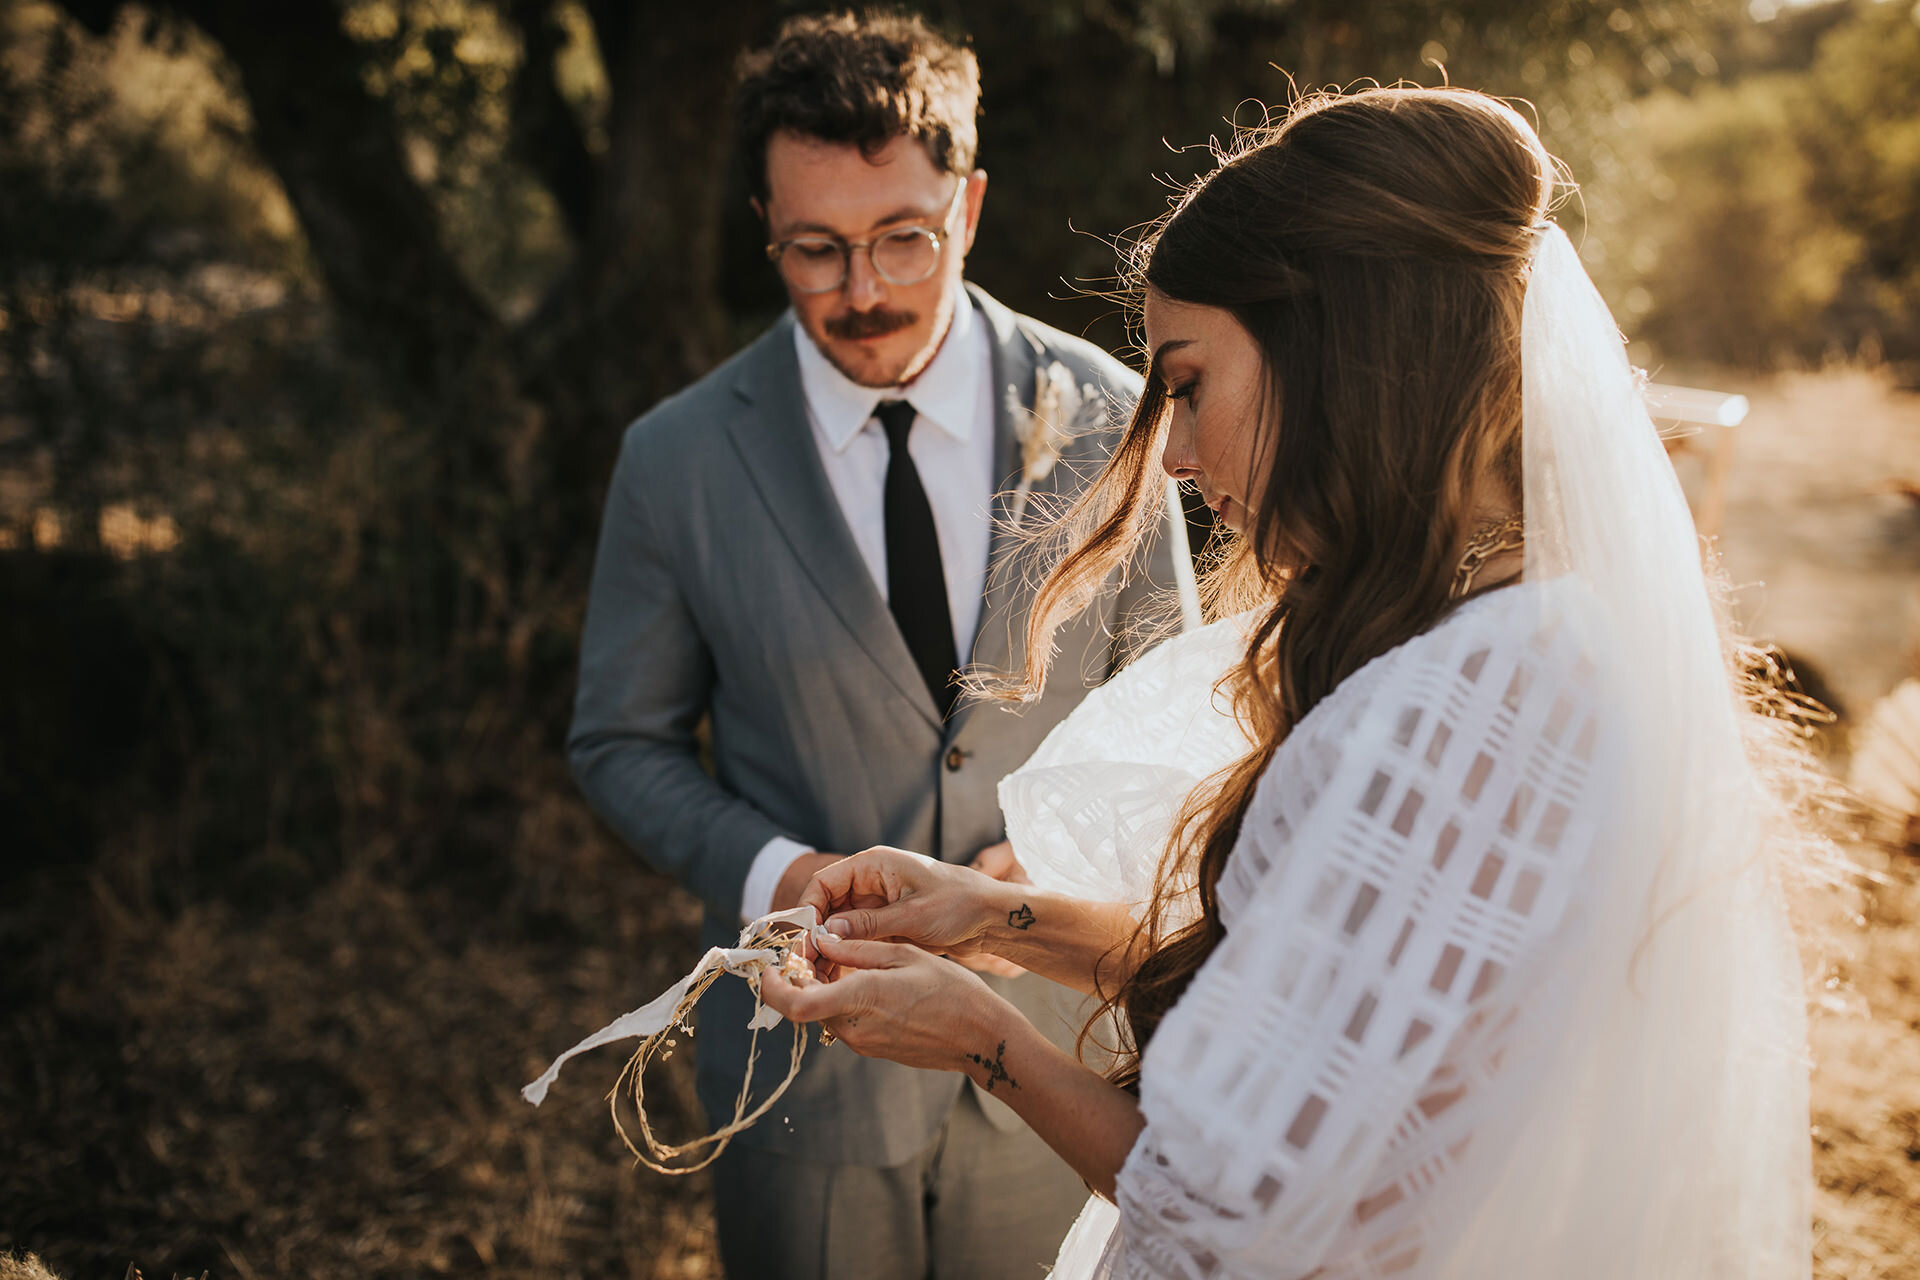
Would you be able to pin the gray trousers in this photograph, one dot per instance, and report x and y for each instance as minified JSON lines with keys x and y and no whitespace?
{"x":978,"y":1203}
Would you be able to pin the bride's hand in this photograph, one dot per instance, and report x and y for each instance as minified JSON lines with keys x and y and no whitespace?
{"x":896,"y":1002}
{"x":905,"y":897}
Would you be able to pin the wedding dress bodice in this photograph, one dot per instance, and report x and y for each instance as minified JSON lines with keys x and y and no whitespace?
{"x":1403,"y":873}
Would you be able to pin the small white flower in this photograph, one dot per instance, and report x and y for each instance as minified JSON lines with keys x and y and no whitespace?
{"x":1044,"y":429}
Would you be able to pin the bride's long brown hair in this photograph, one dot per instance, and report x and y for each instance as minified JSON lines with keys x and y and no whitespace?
{"x":1375,"y":245}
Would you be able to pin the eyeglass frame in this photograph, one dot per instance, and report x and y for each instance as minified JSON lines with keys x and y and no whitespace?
{"x":940,"y":235}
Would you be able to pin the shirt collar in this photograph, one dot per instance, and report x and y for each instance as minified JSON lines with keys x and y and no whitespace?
{"x":946,"y":393}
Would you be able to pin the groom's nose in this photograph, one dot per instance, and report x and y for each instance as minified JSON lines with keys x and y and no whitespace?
{"x":865,"y":289}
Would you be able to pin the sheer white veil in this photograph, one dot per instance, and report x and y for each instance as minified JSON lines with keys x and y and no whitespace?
{"x":1652,"y":1104}
{"x":1664,"y":1096}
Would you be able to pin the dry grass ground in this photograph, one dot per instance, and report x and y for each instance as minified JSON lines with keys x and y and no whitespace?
{"x":1866,"y":1087}
{"x":1823,"y":536}
{"x":330,"y":1089}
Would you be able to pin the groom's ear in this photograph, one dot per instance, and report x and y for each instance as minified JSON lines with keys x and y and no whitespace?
{"x":976,"y":196}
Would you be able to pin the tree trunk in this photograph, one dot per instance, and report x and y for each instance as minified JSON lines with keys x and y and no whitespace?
{"x":640,"y":314}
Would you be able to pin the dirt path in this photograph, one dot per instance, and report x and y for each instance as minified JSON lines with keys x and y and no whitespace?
{"x":1824,"y":549}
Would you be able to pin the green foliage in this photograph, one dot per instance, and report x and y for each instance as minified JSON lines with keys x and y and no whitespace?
{"x":448,"y":72}
{"x":1777,"y":217}
{"x":1860,"y":135}
{"x":1719,"y":256}
{"x":350,"y":650}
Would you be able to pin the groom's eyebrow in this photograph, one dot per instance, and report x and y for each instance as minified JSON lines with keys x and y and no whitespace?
{"x":909,"y":214}
{"x":898,"y":215}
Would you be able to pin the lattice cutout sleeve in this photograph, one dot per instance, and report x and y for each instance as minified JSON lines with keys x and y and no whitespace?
{"x":1400,"y":877}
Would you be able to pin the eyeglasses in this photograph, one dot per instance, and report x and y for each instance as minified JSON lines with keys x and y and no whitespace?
{"x":908,"y":255}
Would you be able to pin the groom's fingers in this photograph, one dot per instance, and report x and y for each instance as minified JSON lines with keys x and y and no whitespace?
{"x":848,"y":882}
{"x":829,"y":888}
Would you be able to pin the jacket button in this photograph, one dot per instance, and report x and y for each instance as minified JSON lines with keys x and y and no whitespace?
{"x":954,"y":759}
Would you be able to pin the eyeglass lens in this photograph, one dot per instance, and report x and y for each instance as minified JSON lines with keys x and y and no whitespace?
{"x":815,"y":265}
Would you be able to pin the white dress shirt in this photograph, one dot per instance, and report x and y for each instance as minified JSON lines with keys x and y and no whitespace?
{"x":952,"y":446}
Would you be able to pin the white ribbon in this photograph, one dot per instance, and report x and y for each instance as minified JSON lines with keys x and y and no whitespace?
{"x":654,"y":1016}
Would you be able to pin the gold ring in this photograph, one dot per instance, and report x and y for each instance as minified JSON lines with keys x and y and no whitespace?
{"x":826,"y":1036}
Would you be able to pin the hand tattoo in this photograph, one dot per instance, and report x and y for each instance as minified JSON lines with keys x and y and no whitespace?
{"x":996,"y":1069}
{"x":1021,"y":919}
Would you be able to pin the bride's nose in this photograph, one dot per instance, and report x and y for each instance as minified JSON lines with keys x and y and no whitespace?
{"x":1177,"y":459}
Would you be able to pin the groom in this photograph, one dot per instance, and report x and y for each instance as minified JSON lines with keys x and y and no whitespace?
{"x":804,"y":546}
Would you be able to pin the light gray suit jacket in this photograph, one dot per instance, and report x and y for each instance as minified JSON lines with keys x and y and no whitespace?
{"x":728,"y":585}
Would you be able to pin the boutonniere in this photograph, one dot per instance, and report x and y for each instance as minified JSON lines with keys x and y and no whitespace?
{"x":1061,"y":409}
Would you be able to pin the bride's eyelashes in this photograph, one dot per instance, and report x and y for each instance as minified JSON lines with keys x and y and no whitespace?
{"x":1184,"y":391}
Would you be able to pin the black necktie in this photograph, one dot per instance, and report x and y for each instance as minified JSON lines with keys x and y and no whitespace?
{"x":916,"y":582}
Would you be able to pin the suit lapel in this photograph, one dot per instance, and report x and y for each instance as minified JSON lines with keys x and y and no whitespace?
{"x":774,"y":439}
{"x":1017,"y":358}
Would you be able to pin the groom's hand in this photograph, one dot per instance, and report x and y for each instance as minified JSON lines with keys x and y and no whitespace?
{"x":997,"y":860}
{"x":786,"y":894}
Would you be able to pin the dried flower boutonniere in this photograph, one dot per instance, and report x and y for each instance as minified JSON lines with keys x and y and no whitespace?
{"x":1060,"y":410}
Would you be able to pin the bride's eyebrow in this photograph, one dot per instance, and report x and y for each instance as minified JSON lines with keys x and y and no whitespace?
{"x":1156,"y":364}
{"x":1156,"y":367}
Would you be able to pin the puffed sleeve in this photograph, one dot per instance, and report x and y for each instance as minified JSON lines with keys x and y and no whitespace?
{"x":1410,"y":853}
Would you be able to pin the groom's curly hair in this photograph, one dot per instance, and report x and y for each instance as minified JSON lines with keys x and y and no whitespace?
{"x":863,"y":79}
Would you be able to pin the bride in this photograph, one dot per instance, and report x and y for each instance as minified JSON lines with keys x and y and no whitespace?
{"x":1435,"y":890}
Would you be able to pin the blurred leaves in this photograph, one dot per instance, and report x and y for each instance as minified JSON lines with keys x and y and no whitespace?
{"x":1775,"y":217}
{"x":1722,"y":257}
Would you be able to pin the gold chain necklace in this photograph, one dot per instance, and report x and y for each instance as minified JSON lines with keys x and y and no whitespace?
{"x":1490,"y":541}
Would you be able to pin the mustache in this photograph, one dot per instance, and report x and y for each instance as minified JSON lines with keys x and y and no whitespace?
{"x":869,"y":324}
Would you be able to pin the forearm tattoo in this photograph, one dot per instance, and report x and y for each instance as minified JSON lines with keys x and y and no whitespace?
{"x":1021,"y":919}
{"x":996,"y":1068}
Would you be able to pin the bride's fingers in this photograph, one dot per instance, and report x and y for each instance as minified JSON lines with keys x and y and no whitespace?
{"x":780,"y":995}
{"x":811,"y":1003}
{"x":895,"y":920}
{"x":851,"y":953}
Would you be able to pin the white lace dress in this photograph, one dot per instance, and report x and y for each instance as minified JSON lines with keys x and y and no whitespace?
{"x":1402,"y":879}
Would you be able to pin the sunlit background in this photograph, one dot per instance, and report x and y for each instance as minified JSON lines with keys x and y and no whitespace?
{"x":318,"y":326}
